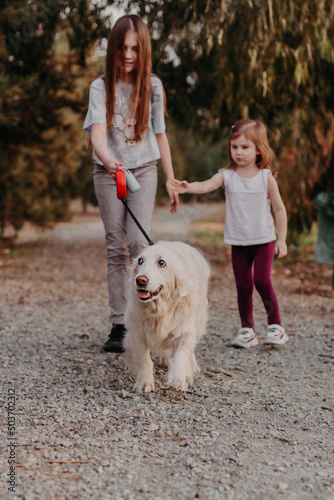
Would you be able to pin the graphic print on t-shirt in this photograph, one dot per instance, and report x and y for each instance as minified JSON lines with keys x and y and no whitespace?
{"x":124,"y":122}
{"x":127,"y":126}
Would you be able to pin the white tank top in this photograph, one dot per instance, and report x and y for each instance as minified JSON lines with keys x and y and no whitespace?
{"x":248,"y":220}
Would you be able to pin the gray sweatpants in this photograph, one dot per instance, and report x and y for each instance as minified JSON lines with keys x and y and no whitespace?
{"x":123,"y":237}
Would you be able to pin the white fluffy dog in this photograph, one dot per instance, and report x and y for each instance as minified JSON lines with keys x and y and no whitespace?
{"x":166,"y":313}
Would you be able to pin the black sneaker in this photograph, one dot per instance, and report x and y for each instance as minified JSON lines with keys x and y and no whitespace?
{"x":115,"y":340}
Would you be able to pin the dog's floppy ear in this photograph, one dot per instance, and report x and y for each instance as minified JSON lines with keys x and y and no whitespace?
{"x":184,"y":278}
{"x":133,"y":266}
{"x":186,"y":287}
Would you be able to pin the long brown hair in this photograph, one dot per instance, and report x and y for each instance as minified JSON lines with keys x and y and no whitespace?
{"x":140,"y":99}
{"x":256,"y":132}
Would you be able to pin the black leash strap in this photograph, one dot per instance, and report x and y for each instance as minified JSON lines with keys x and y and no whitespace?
{"x":150,"y":242}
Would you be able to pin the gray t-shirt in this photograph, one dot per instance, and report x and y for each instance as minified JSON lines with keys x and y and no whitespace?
{"x":121,"y":145}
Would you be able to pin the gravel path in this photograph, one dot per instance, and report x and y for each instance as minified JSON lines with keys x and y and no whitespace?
{"x":258,"y":423}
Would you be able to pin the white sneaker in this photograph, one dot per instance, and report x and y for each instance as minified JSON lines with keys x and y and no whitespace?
{"x":246,"y":338}
{"x":275,"y":335}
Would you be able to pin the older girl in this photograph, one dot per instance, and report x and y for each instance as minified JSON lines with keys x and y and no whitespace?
{"x":251,"y":190}
{"x":125,"y":120}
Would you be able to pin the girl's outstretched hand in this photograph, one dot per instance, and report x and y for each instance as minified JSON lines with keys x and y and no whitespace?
{"x":173,"y":197}
{"x":281,"y":249}
{"x":179,"y":187}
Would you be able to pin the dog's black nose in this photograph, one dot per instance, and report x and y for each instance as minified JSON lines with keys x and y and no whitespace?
{"x":141,"y":280}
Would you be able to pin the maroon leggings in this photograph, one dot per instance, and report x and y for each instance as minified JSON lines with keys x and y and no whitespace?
{"x":243,"y":258}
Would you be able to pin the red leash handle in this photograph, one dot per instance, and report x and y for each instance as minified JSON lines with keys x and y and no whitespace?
{"x":121,"y":195}
{"x":121,"y":183}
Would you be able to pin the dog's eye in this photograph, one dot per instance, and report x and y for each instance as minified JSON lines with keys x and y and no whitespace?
{"x":161,"y":263}
{"x":140,"y":261}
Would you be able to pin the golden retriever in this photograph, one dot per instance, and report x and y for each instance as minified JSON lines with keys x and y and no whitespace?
{"x":166,"y":313}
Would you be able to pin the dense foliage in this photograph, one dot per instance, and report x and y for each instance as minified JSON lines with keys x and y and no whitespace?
{"x":42,"y":64}
{"x":265,"y":59}
{"x":219,"y":61}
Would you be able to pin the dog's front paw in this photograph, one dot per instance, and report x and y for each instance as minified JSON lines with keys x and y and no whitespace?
{"x":177,"y":383}
{"x":143,"y":386}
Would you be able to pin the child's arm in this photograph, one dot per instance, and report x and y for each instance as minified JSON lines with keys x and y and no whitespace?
{"x":99,"y":144}
{"x":199,"y":187}
{"x":167,"y":167}
{"x":280,"y":216}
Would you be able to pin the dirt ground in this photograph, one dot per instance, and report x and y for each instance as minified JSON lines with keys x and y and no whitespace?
{"x":258,"y":423}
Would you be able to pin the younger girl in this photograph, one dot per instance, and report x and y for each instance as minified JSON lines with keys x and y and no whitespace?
{"x":251,"y":191}
{"x":125,"y":120}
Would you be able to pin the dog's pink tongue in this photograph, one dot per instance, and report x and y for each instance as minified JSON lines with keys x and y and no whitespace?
{"x":143,"y":294}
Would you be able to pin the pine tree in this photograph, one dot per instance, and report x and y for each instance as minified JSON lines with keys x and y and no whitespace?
{"x":43,"y":64}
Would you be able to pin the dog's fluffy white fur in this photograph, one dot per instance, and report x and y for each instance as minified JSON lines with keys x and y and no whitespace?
{"x":166,"y":313}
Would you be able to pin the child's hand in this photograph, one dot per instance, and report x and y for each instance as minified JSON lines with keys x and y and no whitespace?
{"x":281,"y":249}
{"x":180,"y":187}
{"x":173,"y":197}
{"x":111,"y":167}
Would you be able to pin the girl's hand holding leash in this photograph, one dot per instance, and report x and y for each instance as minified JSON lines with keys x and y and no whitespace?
{"x":111,"y":166}
{"x":99,"y":144}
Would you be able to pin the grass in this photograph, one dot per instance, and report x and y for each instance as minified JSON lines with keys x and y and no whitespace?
{"x":10,"y":250}
{"x":21,"y":251}
{"x":209,"y":237}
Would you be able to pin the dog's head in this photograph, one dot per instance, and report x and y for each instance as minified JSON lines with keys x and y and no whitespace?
{"x":161,"y":270}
